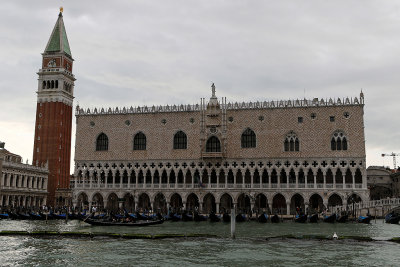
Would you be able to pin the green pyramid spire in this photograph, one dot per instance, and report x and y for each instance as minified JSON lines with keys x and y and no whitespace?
{"x":58,"y":41}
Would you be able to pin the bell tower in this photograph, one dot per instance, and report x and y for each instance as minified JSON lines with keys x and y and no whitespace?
{"x":52,"y":144}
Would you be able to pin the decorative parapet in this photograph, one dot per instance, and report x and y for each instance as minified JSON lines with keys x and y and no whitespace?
{"x":27,"y":167}
{"x":229,"y":106}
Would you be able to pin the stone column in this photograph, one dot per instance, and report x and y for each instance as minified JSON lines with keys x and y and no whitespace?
{"x":324,"y":179}
{"x":226,"y":179}
{"x":269,"y":179}
{"x":297,"y":179}
{"x":200,"y":207}
{"x":209,"y":179}
{"x":287,"y":207}
{"x":251,"y":179}
{"x":216,"y":207}
{"x":306,"y":207}
{"x":354,"y":179}
{"x":90,"y":179}
{"x":278,"y":175}
{"x":344,"y":180}
{"x":315,"y":180}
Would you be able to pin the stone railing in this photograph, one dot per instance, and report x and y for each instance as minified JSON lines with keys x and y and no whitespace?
{"x":229,"y":106}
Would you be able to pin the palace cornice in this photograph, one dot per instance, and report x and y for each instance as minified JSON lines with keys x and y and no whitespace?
{"x":273,"y":104}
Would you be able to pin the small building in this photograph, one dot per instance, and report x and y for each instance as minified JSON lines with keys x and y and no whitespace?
{"x":21,"y":185}
{"x":379,"y":182}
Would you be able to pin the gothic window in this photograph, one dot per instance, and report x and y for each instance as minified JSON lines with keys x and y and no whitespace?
{"x":291,"y":142}
{"x":44,"y":85}
{"x":180,"y":140}
{"x":56,"y":83}
{"x":102,"y":142}
{"x":139,"y":141}
{"x":248,"y":138}
{"x":52,"y":84}
{"x":48,"y":85}
{"x":213,"y":144}
{"x":338,"y":141}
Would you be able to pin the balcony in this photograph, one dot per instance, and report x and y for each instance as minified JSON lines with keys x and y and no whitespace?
{"x":212,"y":155}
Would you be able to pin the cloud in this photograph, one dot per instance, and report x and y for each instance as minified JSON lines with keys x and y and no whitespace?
{"x":168,"y":52}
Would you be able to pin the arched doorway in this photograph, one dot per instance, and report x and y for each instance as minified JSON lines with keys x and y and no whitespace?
{"x":334,"y":200}
{"x":297,"y":204}
{"x":261,"y":204}
{"x":144,"y":202}
{"x":243,"y":204}
{"x":98,"y":202}
{"x":83,"y":202}
{"x":112,"y":202}
{"x":209,"y":203}
{"x":129,"y":202}
{"x":192,"y":202}
{"x":316,"y":203}
{"x":279,"y":204}
{"x":176,"y":202}
{"x":225,"y":203}
{"x":160,"y":203}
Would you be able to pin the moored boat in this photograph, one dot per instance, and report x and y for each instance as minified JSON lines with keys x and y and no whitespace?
{"x":199,"y":218}
{"x":186,"y":217}
{"x":4,"y":216}
{"x":263,"y":218}
{"x":342,"y":219}
{"x":275,"y":219}
{"x":364,"y":219}
{"x":214,"y":217}
{"x":115,"y":223}
{"x":392,"y":218}
{"x":330,"y":218}
{"x":240,"y":218}
{"x":301,"y":218}
{"x":313,"y":218}
{"x":226,"y":218}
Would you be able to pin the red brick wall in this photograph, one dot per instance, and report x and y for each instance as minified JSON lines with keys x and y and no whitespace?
{"x":54,"y":146}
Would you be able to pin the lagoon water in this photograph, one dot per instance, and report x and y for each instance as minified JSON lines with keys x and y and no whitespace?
{"x":250,"y":248}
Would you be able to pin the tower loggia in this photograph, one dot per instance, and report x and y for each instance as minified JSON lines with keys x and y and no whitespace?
{"x":52,"y":144}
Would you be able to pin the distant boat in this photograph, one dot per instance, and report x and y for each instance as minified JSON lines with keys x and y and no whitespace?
{"x":263,"y":218}
{"x":226,"y":218}
{"x":240,"y":218}
{"x":275,"y":219}
{"x":313,"y":218}
{"x":214,"y":217}
{"x":330,"y":219}
{"x":392,"y":218}
{"x":111,"y":223}
{"x":342,"y":219}
{"x":186,"y":217}
{"x":364,"y":219}
{"x":301,"y":218}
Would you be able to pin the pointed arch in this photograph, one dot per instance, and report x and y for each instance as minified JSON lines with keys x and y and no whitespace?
{"x":213,"y":144}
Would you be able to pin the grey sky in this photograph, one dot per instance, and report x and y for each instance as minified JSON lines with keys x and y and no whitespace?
{"x":168,"y":52}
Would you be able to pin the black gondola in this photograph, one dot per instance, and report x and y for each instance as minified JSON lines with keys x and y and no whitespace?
{"x":24,"y":216}
{"x":36,"y":216}
{"x":263,"y":218}
{"x":330,"y":218}
{"x":342,"y":218}
{"x":199,"y":218}
{"x":226,"y":218}
{"x":392,"y":218}
{"x":301,"y":218}
{"x":176,"y":217}
{"x":313,"y":218}
{"x":364,"y":219}
{"x":4,"y":216}
{"x":275,"y":219}
{"x":111,"y":223}
{"x":59,"y":216}
{"x":240,"y":218}
{"x":186,"y":217}
{"x":214,"y":217}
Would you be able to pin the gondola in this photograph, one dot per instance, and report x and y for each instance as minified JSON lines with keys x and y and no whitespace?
{"x":240,"y":218}
{"x":275,"y":219}
{"x":186,"y":217}
{"x":24,"y":216}
{"x":4,"y":216}
{"x":213,"y":217}
{"x":175,"y":217}
{"x":111,"y":223}
{"x":364,"y":219}
{"x":263,"y":218}
{"x":392,"y":218}
{"x":313,"y":218}
{"x":36,"y":216}
{"x":142,"y":216}
{"x":59,"y":216}
{"x":342,"y":218}
{"x":330,"y":218}
{"x":199,"y":218}
{"x":301,"y":218}
{"x":226,"y":218}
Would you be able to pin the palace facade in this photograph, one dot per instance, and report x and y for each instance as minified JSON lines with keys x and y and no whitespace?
{"x":21,"y":185}
{"x":212,"y":156}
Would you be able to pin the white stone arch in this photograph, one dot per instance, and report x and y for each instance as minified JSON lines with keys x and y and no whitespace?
{"x":220,"y":194}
